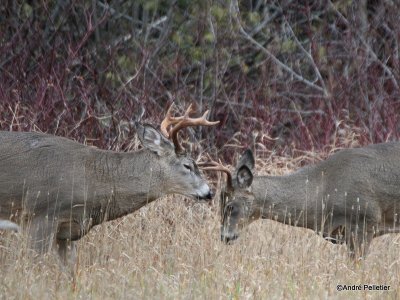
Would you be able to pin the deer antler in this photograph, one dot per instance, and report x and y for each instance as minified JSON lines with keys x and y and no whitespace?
{"x":182,"y":122}
{"x":218,"y":166}
{"x":170,"y":120}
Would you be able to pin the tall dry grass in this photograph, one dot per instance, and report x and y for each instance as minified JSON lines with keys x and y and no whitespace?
{"x":170,"y":249}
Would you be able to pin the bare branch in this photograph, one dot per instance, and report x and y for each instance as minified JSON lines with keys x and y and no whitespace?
{"x":309,"y":56}
{"x":235,"y":14}
{"x":366,"y":45}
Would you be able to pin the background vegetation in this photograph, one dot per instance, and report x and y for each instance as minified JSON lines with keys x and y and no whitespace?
{"x":294,"y":80}
{"x":281,"y":76}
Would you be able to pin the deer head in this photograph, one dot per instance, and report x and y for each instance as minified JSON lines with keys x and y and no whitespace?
{"x":237,"y":202}
{"x":182,"y":175}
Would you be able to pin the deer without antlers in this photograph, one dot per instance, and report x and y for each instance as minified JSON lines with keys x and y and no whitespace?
{"x":353,"y":196}
{"x":61,"y":188}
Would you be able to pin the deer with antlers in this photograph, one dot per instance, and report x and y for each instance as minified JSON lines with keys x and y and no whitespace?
{"x":351,"y":197}
{"x":58,"y":189}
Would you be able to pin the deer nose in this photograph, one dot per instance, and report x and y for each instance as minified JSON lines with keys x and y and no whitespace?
{"x":208,"y":196}
{"x":204,"y":193}
{"x":228,"y":239}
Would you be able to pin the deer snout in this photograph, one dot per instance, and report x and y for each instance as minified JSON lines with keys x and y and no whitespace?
{"x":205,"y":193}
{"x":207,"y":196}
{"x":228,"y":239}
{"x":210,"y":195}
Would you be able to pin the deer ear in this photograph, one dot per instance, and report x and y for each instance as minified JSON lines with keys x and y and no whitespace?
{"x":153,"y":140}
{"x":244,"y":167}
{"x":244,"y":177}
{"x":247,"y":159}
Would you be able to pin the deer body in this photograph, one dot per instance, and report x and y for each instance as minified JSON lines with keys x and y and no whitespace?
{"x":352,"y":196}
{"x":366,"y":177}
{"x":59,"y":189}
{"x":76,"y":183}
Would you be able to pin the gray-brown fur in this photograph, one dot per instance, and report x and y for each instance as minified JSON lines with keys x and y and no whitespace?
{"x":352,"y":196}
{"x":59,"y":189}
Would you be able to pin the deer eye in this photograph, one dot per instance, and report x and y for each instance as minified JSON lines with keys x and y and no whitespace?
{"x":187,"y":167}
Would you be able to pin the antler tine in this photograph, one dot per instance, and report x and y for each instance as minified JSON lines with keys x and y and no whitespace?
{"x":186,"y":121}
{"x":218,"y":166}
{"x":169,"y":120}
{"x":189,"y":111}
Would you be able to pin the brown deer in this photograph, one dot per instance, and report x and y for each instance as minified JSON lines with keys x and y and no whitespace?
{"x":353,"y":196}
{"x":59,"y":189}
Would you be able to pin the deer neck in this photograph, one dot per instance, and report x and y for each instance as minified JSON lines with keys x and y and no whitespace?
{"x":124,"y":182}
{"x":287,"y":199}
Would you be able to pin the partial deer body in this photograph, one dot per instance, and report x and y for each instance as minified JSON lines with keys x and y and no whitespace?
{"x":352,"y":196}
{"x":8,"y":225}
{"x":59,"y":189}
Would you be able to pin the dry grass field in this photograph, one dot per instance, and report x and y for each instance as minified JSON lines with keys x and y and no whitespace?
{"x":170,"y":249}
{"x":298,"y":78}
